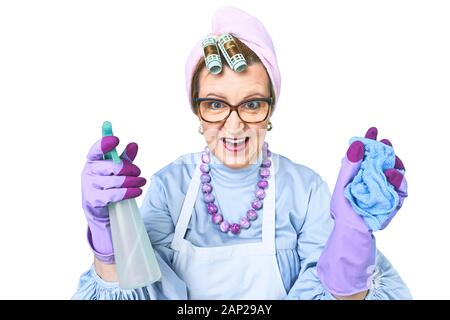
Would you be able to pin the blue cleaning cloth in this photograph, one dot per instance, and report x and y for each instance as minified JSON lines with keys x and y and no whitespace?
{"x":370,"y":194}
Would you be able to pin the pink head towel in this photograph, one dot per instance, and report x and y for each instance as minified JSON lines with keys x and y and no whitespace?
{"x":251,"y":32}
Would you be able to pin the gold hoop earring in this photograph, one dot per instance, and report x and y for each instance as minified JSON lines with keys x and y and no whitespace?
{"x":200,"y":129}
{"x":269,"y":126}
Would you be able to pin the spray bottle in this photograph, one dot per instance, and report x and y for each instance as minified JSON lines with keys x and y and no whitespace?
{"x":135,"y":258}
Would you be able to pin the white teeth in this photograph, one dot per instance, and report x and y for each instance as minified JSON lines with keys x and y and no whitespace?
{"x":235,"y":141}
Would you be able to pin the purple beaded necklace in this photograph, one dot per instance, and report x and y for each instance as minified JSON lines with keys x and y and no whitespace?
{"x":256,"y":205}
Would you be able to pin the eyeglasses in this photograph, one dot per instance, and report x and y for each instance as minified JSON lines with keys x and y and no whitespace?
{"x":249,"y":111}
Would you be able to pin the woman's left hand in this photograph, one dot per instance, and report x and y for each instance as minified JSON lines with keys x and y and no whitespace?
{"x":340,"y":206}
{"x":347,"y":263}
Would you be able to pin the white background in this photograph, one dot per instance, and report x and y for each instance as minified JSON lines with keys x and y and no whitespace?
{"x":66,"y":66}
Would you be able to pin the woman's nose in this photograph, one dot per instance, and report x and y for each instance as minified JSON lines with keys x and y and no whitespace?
{"x":234,"y":122}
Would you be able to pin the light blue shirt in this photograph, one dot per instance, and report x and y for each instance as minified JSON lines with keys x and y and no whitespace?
{"x":303,"y":225}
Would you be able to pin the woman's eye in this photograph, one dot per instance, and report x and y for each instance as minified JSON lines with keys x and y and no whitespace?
{"x":215,"y":105}
{"x":252,"y":105}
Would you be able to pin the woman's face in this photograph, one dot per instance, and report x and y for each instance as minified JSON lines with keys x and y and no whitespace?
{"x":235,"y":88}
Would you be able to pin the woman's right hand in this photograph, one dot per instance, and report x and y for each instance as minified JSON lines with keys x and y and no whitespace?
{"x":104,"y":182}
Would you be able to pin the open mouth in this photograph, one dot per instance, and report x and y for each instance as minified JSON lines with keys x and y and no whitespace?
{"x":235,"y":144}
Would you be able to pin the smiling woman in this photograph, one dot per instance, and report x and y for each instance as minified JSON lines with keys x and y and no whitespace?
{"x":232,"y":140}
{"x":236,"y":221}
{"x":235,"y":138}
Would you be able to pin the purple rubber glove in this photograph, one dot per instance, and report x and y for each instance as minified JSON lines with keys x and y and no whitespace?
{"x":348,"y":259}
{"x":104,"y":182}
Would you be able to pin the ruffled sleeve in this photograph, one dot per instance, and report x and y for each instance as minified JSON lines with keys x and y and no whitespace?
{"x":92,"y":287}
{"x":312,"y":237}
{"x":386,"y":282}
